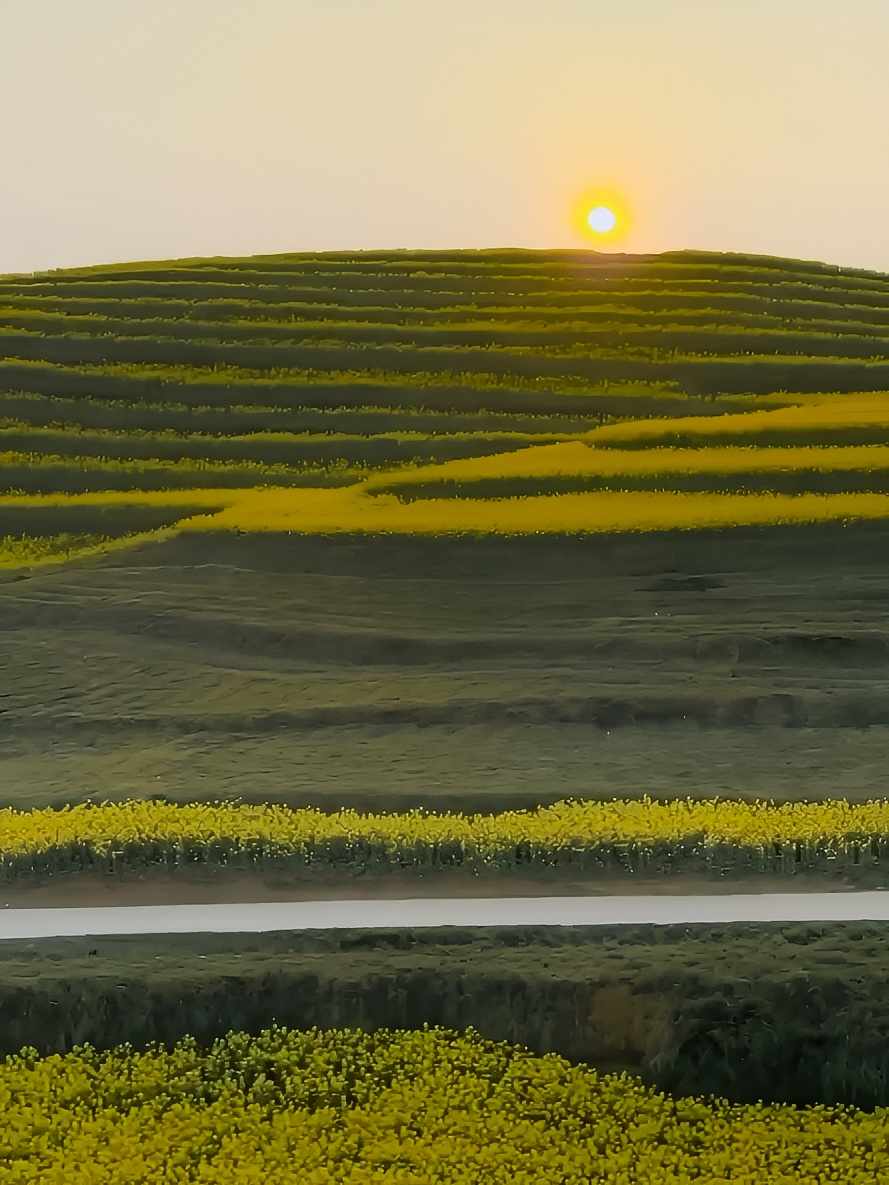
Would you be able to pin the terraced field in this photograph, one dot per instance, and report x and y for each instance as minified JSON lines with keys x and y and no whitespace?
{"x":301,"y":375}
{"x":226,"y":372}
{"x":235,"y":447}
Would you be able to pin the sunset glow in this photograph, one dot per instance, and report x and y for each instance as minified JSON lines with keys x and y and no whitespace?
{"x":693,"y":123}
{"x":601,"y":215}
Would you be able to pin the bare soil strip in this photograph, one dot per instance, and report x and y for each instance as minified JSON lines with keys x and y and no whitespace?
{"x":217,"y":886}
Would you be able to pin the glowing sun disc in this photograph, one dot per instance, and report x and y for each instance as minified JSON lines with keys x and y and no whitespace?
{"x":601,"y":215}
{"x":601,"y":219}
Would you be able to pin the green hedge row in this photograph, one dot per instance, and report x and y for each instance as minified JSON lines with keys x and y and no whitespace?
{"x":786,"y":1013}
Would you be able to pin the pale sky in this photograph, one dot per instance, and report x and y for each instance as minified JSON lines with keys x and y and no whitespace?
{"x":150,"y":129}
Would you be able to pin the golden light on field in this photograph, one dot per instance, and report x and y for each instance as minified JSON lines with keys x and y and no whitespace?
{"x":601,"y":215}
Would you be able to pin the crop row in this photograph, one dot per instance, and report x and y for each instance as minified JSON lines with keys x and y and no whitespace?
{"x":792,"y":482}
{"x":84,"y":414}
{"x":335,"y":504}
{"x":803,"y":327}
{"x":577,"y":466}
{"x":546,"y":273}
{"x":352,"y":510}
{"x":24,"y":550}
{"x":428,"y":1106}
{"x":276,"y":344}
{"x":833,"y":312}
{"x":621,"y":834}
{"x":470,"y":291}
{"x":58,"y":461}
{"x":467,"y":381}
{"x":263,"y":448}
{"x":853,"y":419}
{"x":585,"y":457}
{"x":238,"y":321}
{"x":480,"y":366}
{"x":474,"y":391}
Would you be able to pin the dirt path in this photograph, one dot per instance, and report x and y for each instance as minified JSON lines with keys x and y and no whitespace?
{"x":85,"y":890}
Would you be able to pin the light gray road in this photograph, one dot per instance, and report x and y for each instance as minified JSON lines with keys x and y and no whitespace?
{"x":255,"y":917}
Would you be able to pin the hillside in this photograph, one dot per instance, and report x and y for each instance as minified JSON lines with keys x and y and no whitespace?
{"x":307,"y":375}
{"x":274,"y":407}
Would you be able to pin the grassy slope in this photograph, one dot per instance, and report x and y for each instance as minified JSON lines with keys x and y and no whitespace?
{"x":470,"y":674}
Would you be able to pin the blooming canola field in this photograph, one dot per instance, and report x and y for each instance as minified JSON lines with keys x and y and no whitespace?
{"x":145,"y":833}
{"x":328,"y":378}
{"x":430,"y":1106}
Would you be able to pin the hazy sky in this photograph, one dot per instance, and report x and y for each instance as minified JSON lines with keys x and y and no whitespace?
{"x":141,"y":129}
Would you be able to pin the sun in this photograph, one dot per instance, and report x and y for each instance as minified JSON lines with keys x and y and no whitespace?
{"x":602,"y":219}
{"x":601,"y":215}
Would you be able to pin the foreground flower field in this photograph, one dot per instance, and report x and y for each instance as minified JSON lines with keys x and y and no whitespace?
{"x":425,"y":1106}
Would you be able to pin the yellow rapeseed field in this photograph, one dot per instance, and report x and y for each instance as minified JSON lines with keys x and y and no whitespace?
{"x":422,"y":1107}
{"x":576,"y":459}
{"x":350,"y":509}
{"x":170,"y":827}
{"x":24,"y":551}
{"x":723,"y":447}
{"x":809,"y":413}
{"x":637,"y":449}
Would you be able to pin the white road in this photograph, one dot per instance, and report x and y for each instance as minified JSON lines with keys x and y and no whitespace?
{"x":256,"y":918}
